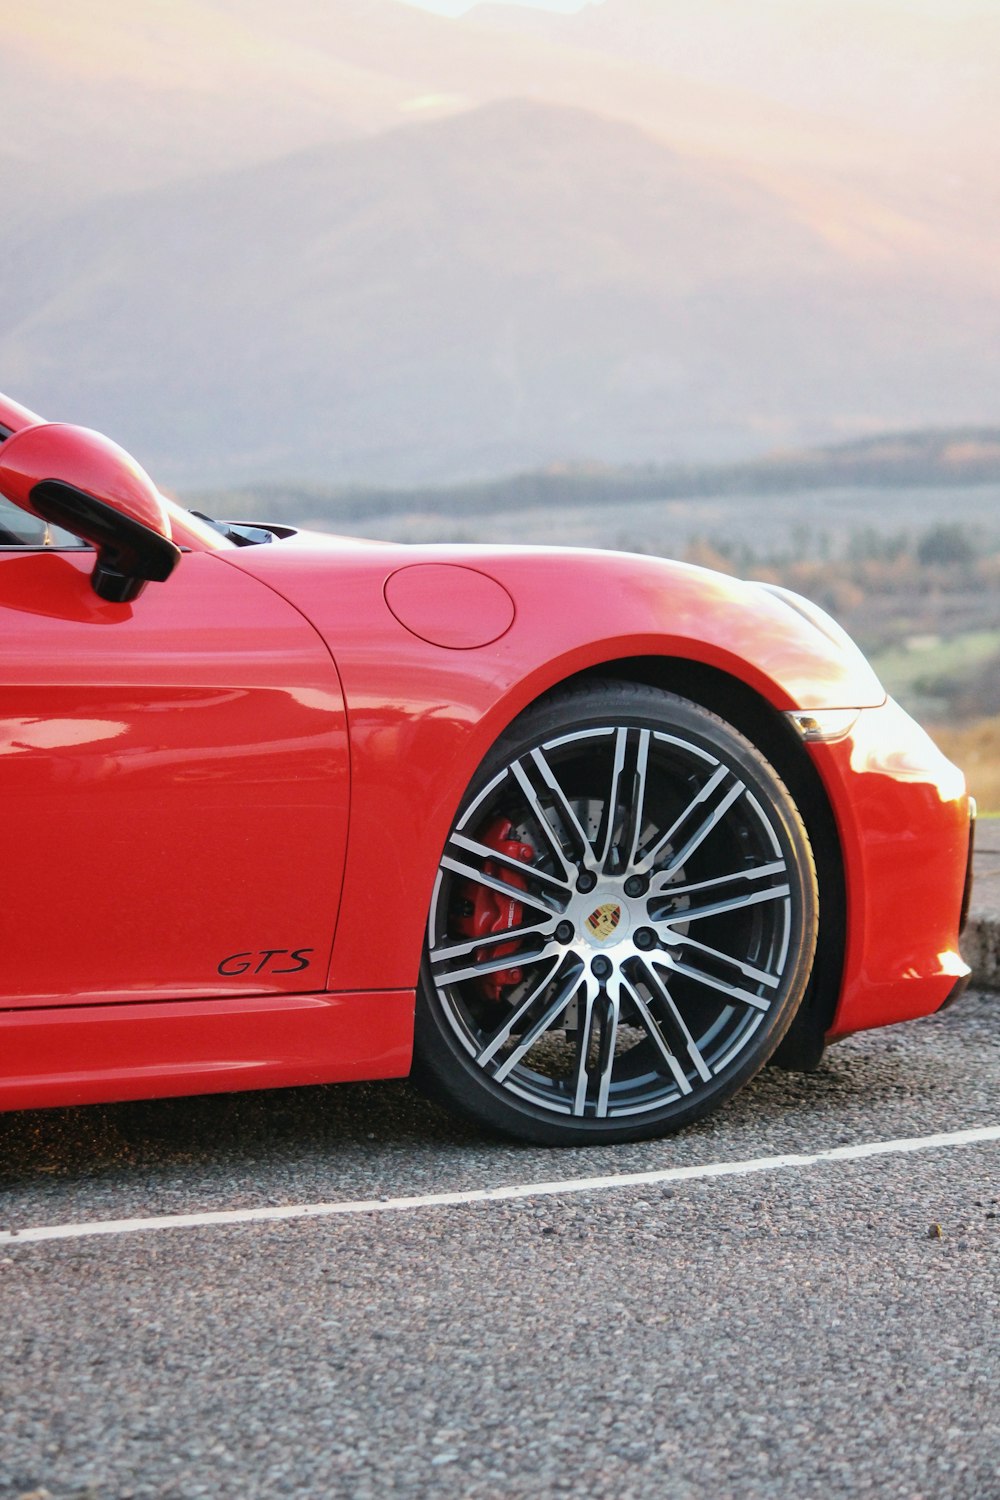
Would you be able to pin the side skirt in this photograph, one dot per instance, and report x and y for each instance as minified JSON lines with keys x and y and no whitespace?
{"x":94,"y":1054}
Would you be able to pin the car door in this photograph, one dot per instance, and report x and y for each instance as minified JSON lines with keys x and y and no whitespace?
{"x":173,"y":783}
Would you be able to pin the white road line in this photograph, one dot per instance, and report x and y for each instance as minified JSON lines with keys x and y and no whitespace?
{"x":207,"y":1220}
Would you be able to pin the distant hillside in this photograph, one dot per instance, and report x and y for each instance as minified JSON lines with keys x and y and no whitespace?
{"x":952,"y":456}
{"x":949,"y":459}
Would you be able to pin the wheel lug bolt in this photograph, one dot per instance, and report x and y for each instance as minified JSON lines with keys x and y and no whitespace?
{"x":644,"y":938}
{"x":586,"y":882}
{"x":635,"y":886}
{"x":564,"y":932}
{"x":601,"y":967}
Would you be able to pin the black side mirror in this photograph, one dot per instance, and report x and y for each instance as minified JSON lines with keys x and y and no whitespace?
{"x":129,"y":553}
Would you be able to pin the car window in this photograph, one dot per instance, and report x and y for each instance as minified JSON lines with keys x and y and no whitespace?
{"x":18,"y":529}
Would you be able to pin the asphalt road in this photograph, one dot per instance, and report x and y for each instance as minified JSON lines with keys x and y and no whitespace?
{"x":817,"y":1331}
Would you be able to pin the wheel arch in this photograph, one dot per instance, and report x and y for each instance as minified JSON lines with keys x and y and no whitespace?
{"x":750,"y":713}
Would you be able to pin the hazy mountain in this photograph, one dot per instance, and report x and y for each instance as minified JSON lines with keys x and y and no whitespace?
{"x":885,"y":114}
{"x":472,"y":295}
{"x":348,"y":238}
{"x":122,"y":93}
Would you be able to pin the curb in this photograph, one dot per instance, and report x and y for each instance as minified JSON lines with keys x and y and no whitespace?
{"x":981,"y":949}
{"x":981,"y":938}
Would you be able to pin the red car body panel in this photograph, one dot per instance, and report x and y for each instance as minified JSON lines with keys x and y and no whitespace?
{"x":14,"y":416}
{"x":96,"y":1053}
{"x":163,"y":771}
{"x":49,"y":450}
{"x":226,"y":801}
{"x":903,"y":820}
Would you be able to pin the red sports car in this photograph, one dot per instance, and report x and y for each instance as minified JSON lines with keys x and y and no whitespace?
{"x":585,"y":838}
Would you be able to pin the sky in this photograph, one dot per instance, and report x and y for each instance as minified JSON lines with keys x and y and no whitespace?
{"x":947,"y":8}
{"x":459,"y":7}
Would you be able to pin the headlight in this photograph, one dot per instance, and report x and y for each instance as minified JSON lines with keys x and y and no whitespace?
{"x":824,"y":725}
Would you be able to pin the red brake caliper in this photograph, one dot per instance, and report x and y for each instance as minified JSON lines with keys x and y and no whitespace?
{"x":486,"y":913}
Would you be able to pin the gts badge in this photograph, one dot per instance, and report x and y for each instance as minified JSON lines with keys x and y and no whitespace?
{"x":266,"y":961}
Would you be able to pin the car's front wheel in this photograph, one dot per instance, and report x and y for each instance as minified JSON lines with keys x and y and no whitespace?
{"x":623,"y":923}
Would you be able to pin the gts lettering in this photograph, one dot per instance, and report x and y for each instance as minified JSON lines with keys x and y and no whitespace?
{"x":242,"y":963}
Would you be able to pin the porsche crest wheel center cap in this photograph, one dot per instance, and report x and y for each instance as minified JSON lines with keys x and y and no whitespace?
{"x":606,"y":923}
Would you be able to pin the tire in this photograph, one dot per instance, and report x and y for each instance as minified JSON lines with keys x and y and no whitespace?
{"x":623,"y":922}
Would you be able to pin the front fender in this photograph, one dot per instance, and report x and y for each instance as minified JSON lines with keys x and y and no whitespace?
{"x":422,"y":716}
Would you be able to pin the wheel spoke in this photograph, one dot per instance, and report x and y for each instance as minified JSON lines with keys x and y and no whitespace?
{"x":675,"y":1020}
{"x":663,"y":884}
{"x":548,"y":883}
{"x":609,"y":817}
{"x":546,"y":1020}
{"x":655,"y":1034}
{"x":597,"y":1031}
{"x":498,"y":965}
{"x":735,"y":903}
{"x":621,"y":824}
{"x":732,"y":991}
{"x":544,"y":826}
{"x":701,"y":833}
{"x":687,"y":944}
{"x":444,"y":955}
{"x":637,"y":807}
{"x":584,"y":1035}
{"x":611,"y":1007}
{"x":564,"y":812}
{"x":692,"y":841}
{"x":543,"y":901}
{"x":510,"y":1025}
